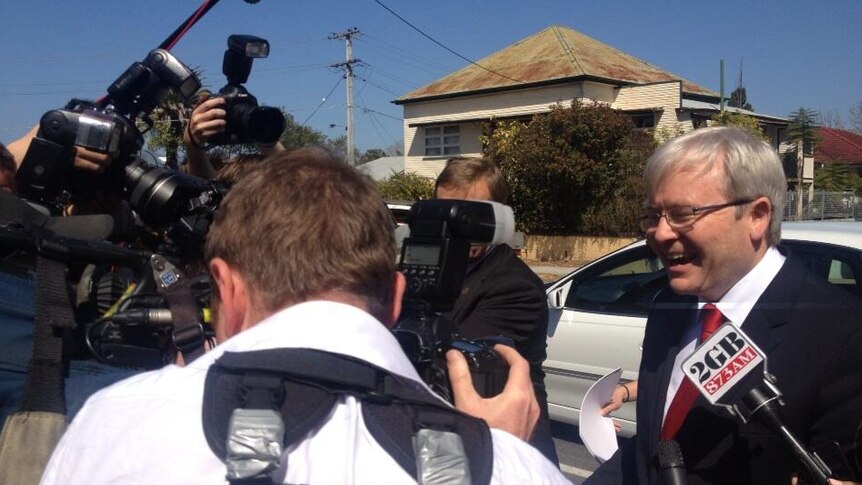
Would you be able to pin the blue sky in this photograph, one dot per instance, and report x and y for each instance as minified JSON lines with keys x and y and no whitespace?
{"x":794,"y":53}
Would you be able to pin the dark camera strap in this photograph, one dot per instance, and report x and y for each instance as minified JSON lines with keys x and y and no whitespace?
{"x":44,"y":391}
{"x":30,"y":435}
{"x":303,"y":385}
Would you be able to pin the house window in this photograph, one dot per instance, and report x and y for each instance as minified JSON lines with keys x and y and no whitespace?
{"x":643,"y":120}
{"x":699,"y":121}
{"x":442,"y":140}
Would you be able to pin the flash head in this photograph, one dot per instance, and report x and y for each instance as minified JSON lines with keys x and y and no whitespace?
{"x":471,"y":220}
{"x":248,"y":45}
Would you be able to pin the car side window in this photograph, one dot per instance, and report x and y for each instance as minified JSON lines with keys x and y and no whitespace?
{"x":625,"y":285}
{"x":838,"y":266}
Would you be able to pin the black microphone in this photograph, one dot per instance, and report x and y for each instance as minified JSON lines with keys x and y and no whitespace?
{"x":717,"y":368}
{"x":670,"y":463}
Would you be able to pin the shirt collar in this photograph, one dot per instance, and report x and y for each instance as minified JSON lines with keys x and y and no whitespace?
{"x":322,"y":325}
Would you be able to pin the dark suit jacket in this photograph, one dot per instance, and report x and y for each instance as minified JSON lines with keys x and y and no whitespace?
{"x":812,"y":335}
{"x":503,"y":296}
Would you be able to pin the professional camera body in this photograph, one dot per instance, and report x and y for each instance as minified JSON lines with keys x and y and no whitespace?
{"x":247,"y":122}
{"x":106,"y":126}
{"x":124,"y":318}
{"x":434,"y":260}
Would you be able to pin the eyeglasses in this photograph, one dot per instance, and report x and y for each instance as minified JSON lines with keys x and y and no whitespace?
{"x":682,"y":217}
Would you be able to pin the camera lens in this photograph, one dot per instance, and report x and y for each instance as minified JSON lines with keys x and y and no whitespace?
{"x":160,"y":196}
{"x":265,"y":124}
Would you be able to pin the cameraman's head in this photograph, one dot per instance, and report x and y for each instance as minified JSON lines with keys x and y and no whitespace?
{"x":302,"y":226}
{"x":470,"y":178}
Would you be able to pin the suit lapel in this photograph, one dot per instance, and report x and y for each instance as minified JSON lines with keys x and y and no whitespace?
{"x":678,"y":314}
{"x":775,"y":306}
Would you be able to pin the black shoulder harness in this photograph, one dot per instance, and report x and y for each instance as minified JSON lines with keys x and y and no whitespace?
{"x":303,"y":385}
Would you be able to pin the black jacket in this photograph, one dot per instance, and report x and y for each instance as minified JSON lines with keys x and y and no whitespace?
{"x":503,"y":296}
{"x":811,"y":333}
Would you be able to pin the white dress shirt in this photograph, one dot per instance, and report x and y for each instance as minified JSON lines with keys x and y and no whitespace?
{"x":148,"y":429}
{"x":735,"y":305}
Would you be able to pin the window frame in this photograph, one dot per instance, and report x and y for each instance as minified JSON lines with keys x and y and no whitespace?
{"x":442,"y":136}
{"x":629,"y":309}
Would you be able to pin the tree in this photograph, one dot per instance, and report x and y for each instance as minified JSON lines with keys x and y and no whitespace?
{"x":395,"y":149}
{"x":371,"y":154}
{"x":831,"y":119}
{"x":406,"y":186}
{"x":575,"y":170}
{"x":854,"y":115}
{"x":169,"y":120}
{"x":739,"y":99}
{"x":836,"y":177}
{"x":298,"y":136}
{"x":750,"y":123}
{"x":803,"y":128}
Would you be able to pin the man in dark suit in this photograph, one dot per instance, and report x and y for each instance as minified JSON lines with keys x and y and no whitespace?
{"x":501,"y":294}
{"x":713,"y":216}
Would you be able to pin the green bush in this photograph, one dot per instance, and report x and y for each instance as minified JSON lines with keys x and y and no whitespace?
{"x":574,"y":170}
{"x":406,"y":186}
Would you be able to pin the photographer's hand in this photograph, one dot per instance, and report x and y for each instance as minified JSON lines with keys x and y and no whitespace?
{"x":91,"y":161}
{"x":206,"y":121}
{"x":85,"y":159}
{"x":515,"y":410}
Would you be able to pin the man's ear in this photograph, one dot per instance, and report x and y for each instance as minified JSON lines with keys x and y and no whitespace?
{"x":760,"y":216}
{"x":233,"y":299}
{"x":399,"y":283}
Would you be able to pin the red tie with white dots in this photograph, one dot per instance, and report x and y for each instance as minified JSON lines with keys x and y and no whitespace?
{"x":710,"y":319}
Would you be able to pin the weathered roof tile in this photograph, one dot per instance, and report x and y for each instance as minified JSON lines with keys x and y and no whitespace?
{"x":557,"y":53}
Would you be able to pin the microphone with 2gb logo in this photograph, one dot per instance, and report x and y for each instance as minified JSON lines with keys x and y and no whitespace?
{"x":718,"y":369}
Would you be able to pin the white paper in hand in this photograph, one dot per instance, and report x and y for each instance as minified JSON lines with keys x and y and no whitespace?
{"x":597,"y":431}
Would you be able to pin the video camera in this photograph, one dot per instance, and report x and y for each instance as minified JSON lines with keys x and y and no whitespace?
{"x":246,"y":121}
{"x":434,"y":260}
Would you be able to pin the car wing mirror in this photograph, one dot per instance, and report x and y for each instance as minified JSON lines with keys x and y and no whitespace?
{"x":557,"y":297}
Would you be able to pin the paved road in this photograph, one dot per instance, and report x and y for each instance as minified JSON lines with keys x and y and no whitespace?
{"x":576,"y":463}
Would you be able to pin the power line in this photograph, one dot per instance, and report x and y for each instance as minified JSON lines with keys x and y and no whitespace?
{"x":322,"y":101}
{"x":378,"y":87}
{"x":375,"y":123}
{"x":366,"y":109}
{"x":417,"y":29}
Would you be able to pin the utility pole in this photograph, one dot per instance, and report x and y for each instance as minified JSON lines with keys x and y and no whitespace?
{"x":721,"y":94}
{"x":347,"y":65}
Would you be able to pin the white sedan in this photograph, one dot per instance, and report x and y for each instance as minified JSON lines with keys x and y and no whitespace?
{"x":597,"y":313}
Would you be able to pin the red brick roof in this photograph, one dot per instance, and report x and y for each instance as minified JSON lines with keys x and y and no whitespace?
{"x":839,"y":146}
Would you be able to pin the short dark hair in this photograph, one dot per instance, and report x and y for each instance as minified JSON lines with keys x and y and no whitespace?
{"x":462,"y":172}
{"x":231,"y":171}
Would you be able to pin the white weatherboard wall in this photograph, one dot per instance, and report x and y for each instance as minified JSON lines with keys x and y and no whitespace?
{"x":470,"y":111}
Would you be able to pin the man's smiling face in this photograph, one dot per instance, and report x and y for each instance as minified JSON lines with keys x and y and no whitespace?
{"x":708,"y":257}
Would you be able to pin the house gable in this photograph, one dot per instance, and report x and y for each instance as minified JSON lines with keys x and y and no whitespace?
{"x":555,"y":55}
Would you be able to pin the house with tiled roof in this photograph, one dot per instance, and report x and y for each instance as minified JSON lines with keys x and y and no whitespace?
{"x":555,"y":66}
{"x":839,"y":146}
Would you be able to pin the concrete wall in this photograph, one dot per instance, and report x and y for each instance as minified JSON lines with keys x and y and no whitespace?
{"x":575,"y":249}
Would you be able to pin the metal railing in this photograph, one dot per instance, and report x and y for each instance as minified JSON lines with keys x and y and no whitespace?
{"x":824,"y":205}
